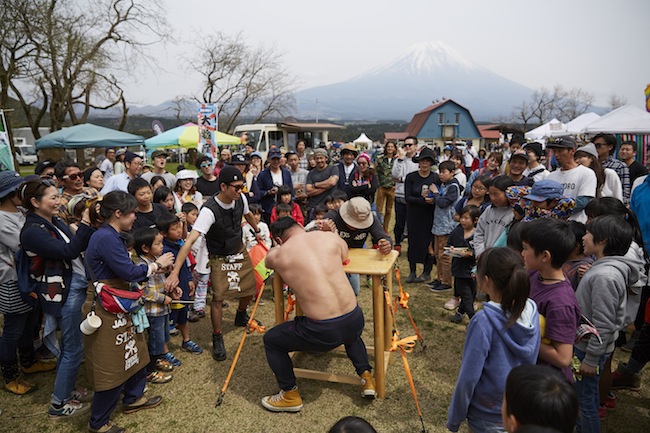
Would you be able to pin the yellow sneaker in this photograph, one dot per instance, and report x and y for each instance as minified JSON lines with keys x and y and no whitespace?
{"x":19,"y":386}
{"x":368,"y":385}
{"x":38,"y":367}
{"x":284,"y":401}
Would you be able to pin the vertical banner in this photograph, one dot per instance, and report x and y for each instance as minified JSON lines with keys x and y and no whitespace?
{"x":6,"y":158}
{"x":207,"y":121}
{"x":647,"y":97}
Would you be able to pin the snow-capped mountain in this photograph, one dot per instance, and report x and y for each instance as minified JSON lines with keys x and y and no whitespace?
{"x":407,"y":84}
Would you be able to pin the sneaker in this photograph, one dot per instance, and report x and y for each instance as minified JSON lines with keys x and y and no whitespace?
{"x":173,"y":330}
{"x":432,"y":284}
{"x":201,"y":314}
{"x":84,"y":395}
{"x":440,"y":288}
{"x":109,"y":427}
{"x":159,"y":377}
{"x":193,"y":317}
{"x":457,"y":318}
{"x":621,"y":379}
{"x":610,"y":401}
{"x":19,"y":386}
{"x":283,"y":401}
{"x":368,"y":385}
{"x":411,"y":278}
{"x":169,"y":357}
{"x":602,"y":412}
{"x":164,"y":365}
{"x":38,"y":367}
{"x":218,"y":348}
{"x":452,"y":304}
{"x":70,"y":409}
{"x":141,"y":404}
{"x":192,"y":347}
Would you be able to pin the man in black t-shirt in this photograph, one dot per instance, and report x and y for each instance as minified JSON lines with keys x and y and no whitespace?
{"x":321,"y":181}
{"x":207,"y":184}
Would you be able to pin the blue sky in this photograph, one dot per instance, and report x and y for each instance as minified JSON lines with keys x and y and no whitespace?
{"x":600,"y":46}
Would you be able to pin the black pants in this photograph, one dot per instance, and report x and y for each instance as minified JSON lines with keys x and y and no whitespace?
{"x":104,"y":402}
{"x":400,"y":220}
{"x":466,"y":289}
{"x":306,"y":335}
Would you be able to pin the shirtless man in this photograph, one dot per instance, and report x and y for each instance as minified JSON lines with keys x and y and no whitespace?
{"x":331,"y":314}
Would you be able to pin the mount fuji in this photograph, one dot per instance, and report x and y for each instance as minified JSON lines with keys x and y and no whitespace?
{"x":409,"y":83}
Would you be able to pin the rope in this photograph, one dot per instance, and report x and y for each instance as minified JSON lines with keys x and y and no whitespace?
{"x":402,"y":299}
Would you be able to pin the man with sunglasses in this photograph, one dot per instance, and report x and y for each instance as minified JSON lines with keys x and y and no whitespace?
{"x":207,"y":184}
{"x":120,"y":182}
{"x":159,"y":159}
{"x":71,"y":181}
{"x":232,"y":273}
{"x":403,"y":166}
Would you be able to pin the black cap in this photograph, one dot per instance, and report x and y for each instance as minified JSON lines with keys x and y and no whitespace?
{"x":43,"y":165}
{"x":563,"y":143}
{"x":238,"y":158}
{"x":130,"y":156}
{"x":535,"y":147}
{"x":229,"y":174}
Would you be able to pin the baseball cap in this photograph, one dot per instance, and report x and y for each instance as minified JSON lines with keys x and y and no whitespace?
{"x":563,"y":143}
{"x":41,"y":166}
{"x":119,"y":152}
{"x":238,"y":158}
{"x":130,"y":156}
{"x":545,"y":189}
{"x":157,"y":153}
{"x":229,"y":174}
{"x":521,"y":154}
{"x":275,"y":153}
{"x":356,"y":213}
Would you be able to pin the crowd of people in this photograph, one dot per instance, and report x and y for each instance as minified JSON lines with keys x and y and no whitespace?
{"x":550,"y":237}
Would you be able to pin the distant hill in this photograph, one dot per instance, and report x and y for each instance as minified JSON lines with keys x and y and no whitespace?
{"x":399,"y":89}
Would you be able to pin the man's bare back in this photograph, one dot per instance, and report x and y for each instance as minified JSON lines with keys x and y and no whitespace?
{"x":312,"y":266}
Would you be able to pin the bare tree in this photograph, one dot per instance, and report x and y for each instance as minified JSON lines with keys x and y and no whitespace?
{"x":545,"y":104}
{"x":75,"y":53}
{"x":242,"y":80}
{"x":572,"y":103}
{"x":615,"y":101}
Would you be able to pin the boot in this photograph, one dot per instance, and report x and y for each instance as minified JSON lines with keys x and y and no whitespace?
{"x":242,"y":318}
{"x":622,"y":379}
{"x":13,"y":381}
{"x":218,"y":348}
{"x":423,"y":277}
{"x":411,"y":278}
{"x":368,"y":385}
{"x":284,"y":401}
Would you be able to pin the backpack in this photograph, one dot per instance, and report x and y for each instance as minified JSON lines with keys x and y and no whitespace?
{"x":25,"y":285}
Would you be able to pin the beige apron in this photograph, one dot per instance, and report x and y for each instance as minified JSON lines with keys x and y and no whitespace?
{"x":232,"y":276}
{"x":114,"y":352}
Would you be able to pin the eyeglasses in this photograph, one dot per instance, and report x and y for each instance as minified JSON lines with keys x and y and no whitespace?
{"x":237,"y":187}
{"x":479,"y":188}
{"x":599,"y":145}
{"x":73,"y":176}
{"x":205,"y":164}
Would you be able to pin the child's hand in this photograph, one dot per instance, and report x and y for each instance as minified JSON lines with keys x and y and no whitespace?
{"x":176,"y":293}
{"x":166,"y":259}
{"x":192,"y":287}
{"x":181,"y":216}
{"x":168,"y":300}
{"x":582,"y":269}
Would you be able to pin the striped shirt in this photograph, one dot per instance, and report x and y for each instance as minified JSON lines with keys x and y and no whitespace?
{"x":623,"y":172}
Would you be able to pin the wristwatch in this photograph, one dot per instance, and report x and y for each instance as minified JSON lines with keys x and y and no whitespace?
{"x":258,"y":231}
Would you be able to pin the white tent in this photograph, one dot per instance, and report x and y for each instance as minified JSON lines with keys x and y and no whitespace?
{"x":546,"y":130}
{"x":628,"y":119}
{"x":363,"y":141}
{"x":577,"y":125}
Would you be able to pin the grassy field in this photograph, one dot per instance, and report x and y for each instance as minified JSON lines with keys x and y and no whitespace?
{"x":189,"y":404}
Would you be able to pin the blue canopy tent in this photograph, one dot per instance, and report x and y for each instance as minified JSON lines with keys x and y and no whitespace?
{"x":88,"y":135}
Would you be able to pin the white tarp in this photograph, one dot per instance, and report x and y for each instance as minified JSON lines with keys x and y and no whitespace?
{"x":577,"y":125}
{"x":628,"y":119}
{"x":363,"y":139}
{"x":546,"y":130}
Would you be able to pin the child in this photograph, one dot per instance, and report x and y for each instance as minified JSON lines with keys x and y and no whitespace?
{"x":147,"y":212}
{"x":164,"y":196}
{"x":602,"y":295}
{"x":319,"y":214}
{"x":149,"y":246}
{"x":201,"y":271}
{"x":501,"y":336}
{"x":249,"y":237}
{"x":284,"y":196}
{"x":282,"y":210}
{"x":172,"y":230}
{"x":536,"y":395}
{"x":544,"y":199}
{"x":495,"y":219}
{"x":578,"y":262}
{"x":445,"y":198}
{"x":477,"y":196}
{"x":336,"y":199}
{"x":463,"y":261}
{"x":546,"y":245}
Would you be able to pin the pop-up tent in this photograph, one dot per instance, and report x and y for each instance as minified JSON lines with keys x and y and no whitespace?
{"x":363,"y":141}
{"x":186,"y":136}
{"x":546,"y":130}
{"x":88,"y":135}
{"x":628,"y":119}
{"x":577,"y":125}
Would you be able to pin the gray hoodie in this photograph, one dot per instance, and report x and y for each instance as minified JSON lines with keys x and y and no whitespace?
{"x":602,"y":296}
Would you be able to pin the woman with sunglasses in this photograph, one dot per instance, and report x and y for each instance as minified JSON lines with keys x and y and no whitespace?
{"x":55,"y":259}
{"x":116,"y":353}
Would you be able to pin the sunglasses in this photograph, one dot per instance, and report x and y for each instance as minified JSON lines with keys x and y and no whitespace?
{"x":73,"y":176}
{"x":45,"y":182}
{"x":205,"y":164}
{"x":237,"y":187}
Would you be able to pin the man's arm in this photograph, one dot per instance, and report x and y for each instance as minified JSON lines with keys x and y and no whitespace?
{"x":172,"y":279}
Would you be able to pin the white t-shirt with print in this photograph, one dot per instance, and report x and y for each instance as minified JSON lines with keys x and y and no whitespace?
{"x":577,"y":182}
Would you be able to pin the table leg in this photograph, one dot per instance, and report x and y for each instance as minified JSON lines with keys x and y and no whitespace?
{"x":278,"y":298}
{"x":378,"y":304}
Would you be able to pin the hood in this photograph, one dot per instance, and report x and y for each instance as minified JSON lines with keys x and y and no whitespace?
{"x":523,"y":337}
{"x":628,"y":266}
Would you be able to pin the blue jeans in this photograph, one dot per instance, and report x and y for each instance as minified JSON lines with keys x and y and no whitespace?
{"x":18,"y":333}
{"x":477,"y":425}
{"x":588,"y":398}
{"x":72,"y":350}
{"x":158,"y":335}
{"x":354,"y":282}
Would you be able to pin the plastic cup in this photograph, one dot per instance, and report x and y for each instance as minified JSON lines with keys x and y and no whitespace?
{"x":91,"y":323}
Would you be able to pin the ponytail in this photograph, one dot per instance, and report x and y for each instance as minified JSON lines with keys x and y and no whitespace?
{"x":506,"y":270}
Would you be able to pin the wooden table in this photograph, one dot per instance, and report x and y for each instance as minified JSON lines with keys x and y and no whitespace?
{"x":364,"y":262}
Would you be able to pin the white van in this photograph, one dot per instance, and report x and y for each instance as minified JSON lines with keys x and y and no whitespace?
{"x":25,"y":154}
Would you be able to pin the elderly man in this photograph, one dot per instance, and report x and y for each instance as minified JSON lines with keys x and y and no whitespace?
{"x":120,"y":182}
{"x":331,"y":314}
{"x":321,"y":181}
{"x":159,"y":159}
